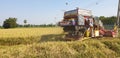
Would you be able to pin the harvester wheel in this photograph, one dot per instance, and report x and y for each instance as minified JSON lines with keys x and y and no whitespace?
{"x":73,"y":36}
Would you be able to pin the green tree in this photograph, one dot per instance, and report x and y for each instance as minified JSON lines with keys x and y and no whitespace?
{"x":101,"y":17}
{"x":108,"y":20}
{"x":10,"y":23}
{"x":25,"y":22}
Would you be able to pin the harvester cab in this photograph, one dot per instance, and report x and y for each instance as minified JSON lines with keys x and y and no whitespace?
{"x":80,"y":23}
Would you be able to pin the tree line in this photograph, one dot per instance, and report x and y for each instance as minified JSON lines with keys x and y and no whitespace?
{"x":108,"y":20}
{"x":32,"y":25}
{"x":12,"y":22}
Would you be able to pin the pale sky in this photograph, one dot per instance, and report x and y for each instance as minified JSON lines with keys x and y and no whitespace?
{"x":51,"y":11}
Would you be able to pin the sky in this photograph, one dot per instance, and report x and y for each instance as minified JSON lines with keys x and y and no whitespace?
{"x":51,"y":11}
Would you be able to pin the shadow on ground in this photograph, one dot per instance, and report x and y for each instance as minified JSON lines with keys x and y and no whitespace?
{"x":52,"y":37}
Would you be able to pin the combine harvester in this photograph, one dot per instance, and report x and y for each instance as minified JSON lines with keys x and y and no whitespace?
{"x":81,"y":23}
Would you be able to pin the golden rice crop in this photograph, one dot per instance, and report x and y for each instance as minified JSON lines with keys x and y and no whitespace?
{"x":28,"y":35}
{"x":28,"y":32}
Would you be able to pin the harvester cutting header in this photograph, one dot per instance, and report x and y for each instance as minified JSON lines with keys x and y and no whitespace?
{"x":81,"y":23}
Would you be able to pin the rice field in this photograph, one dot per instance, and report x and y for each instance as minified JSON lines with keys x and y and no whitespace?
{"x":49,"y":43}
{"x":28,"y":35}
{"x":28,"y":32}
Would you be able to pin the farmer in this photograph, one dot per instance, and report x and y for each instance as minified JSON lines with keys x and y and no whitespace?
{"x":91,"y":26}
{"x":87,"y":22}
